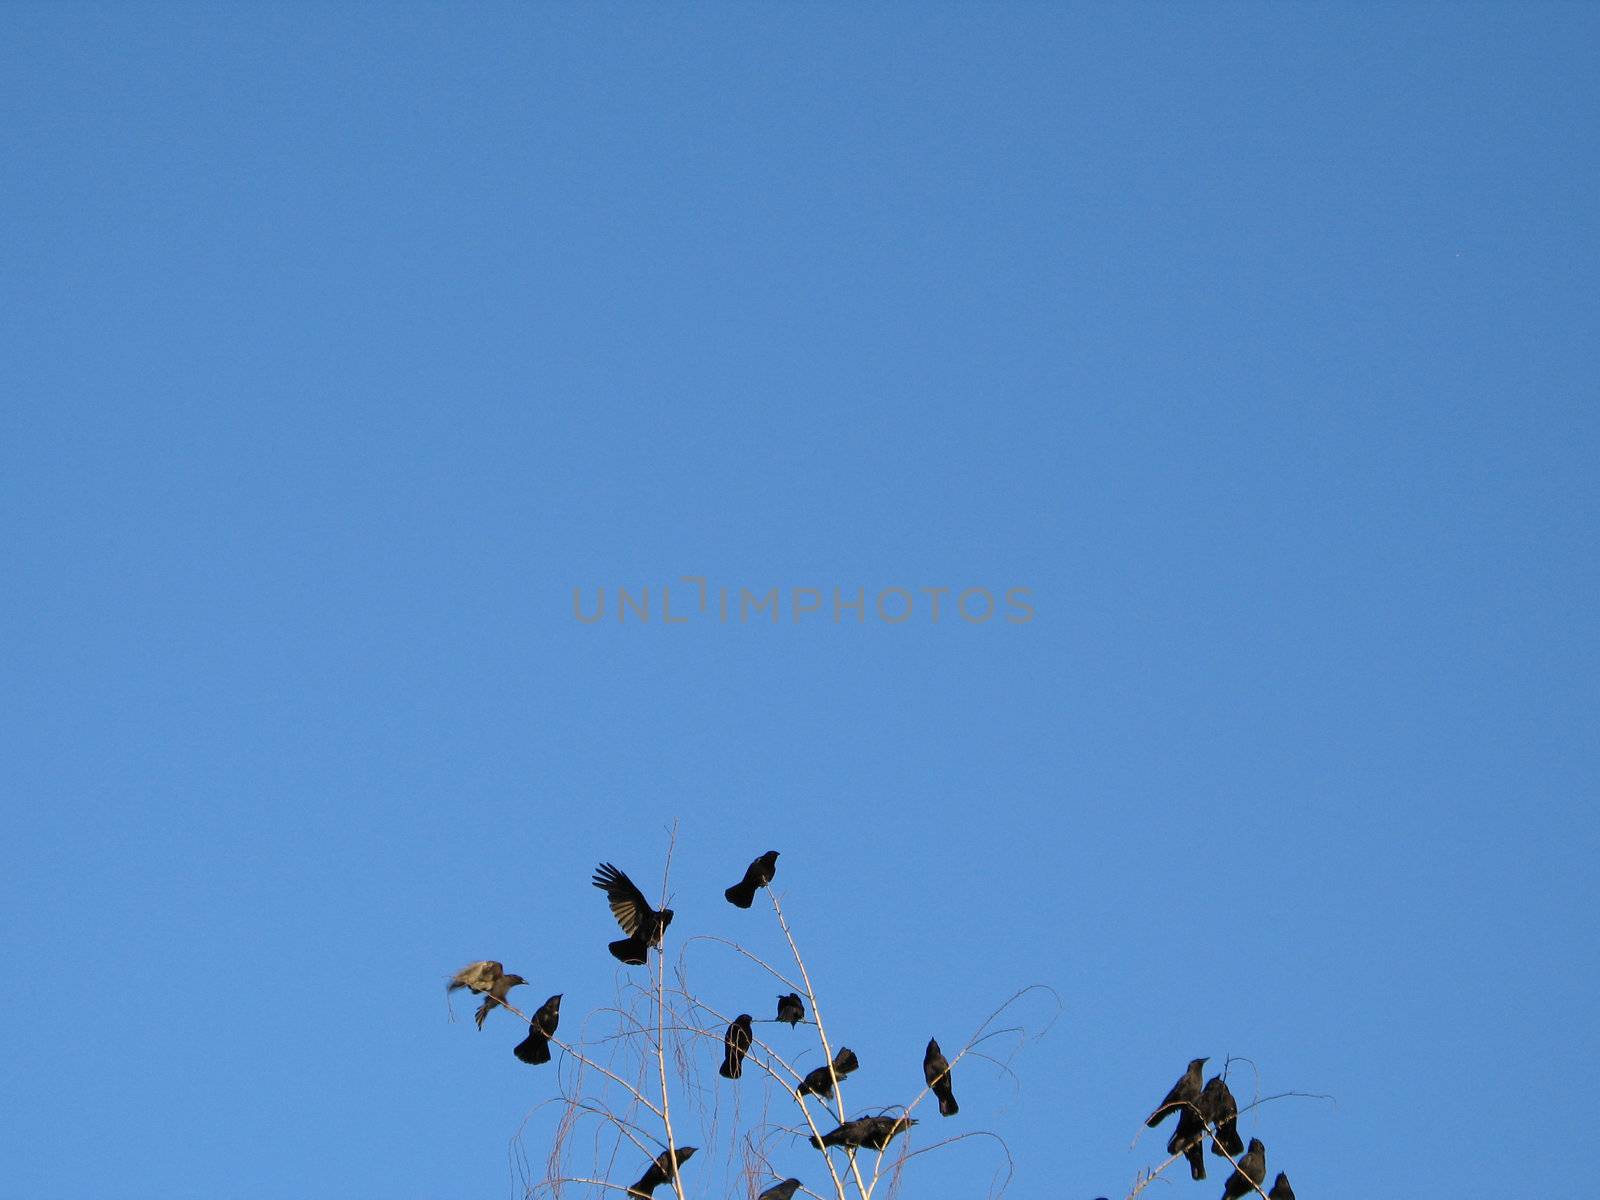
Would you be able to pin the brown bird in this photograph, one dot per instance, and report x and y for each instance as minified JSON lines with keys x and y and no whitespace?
{"x":1218,"y":1106}
{"x":792,"y":1010}
{"x":1252,"y":1170}
{"x":735,"y":1045}
{"x":535,"y":1048}
{"x":820,"y":1081}
{"x":496,"y":995}
{"x":661,"y":1171}
{"x":757,"y":875}
{"x":1281,"y":1189}
{"x":643,"y":924}
{"x":477,"y":976}
{"x":1185,"y":1091}
{"x":936,"y":1070}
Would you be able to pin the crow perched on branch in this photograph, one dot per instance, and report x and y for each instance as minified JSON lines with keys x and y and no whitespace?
{"x":1188,"y":1139}
{"x":661,"y":1171}
{"x":535,"y":1048}
{"x":758,"y":874}
{"x":643,"y":924}
{"x":1280,"y":1188}
{"x":782,"y":1191}
{"x":874,"y":1133}
{"x":1218,"y":1106}
{"x":1252,"y":1170}
{"x":936,"y":1070}
{"x":495,"y":995}
{"x":735,"y":1045}
{"x":820,"y":1081}
{"x":792,"y":1010}
{"x":1185,"y":1091}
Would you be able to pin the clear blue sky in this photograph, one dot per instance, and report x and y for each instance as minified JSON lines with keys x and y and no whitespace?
{"x":342,"y":342}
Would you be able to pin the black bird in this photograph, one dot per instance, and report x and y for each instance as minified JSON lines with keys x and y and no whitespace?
{"x":643,"y":924}
{"x":661,"y":1171}
{"x":1189,"y":1140}
{"x":1280,"y":1188}
{"x":757,"y":874}
{"x":1252,"y":1170}
{"x":780,"y":1191}
{"x":936,"y":1070}
{"x":1218,"y":1106}
{"x":1185,"y":1091}
{"x":820,"y":1081}
{"x":874,"y":1133}
{"x":478,"y":976}
{"x":495,"y":995}
{"x":735,"y":1045}
{"x":792,"y":1010}
{"x":535,"y":1048}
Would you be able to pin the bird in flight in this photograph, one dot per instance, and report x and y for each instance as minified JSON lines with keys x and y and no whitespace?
{"x":758,"y":874}
{"x":478,"y":976}
{"x":535,"y":1048}
{"x":735,"y":1045}
{"x":643,"y":924}
{"x":936,"y":1070}
{"x":820,"y":1081}
{"x":1186,"y":1091}
{"x":660,"y":1171}
{"x":792,"y":1010}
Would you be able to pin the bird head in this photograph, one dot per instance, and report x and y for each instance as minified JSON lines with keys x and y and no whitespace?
{"x":512,"y":981}
{"x":666,"y":917}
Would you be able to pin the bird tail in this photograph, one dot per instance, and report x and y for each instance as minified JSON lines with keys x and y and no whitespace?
{"x":1197,"y":1161}
{"x":483,"y":1009}
{"x":948,"y":1106}
{"x":740,"y":896}
{"x":731,"y":1068}
{"x":628,"y":950}
{"x":534,"y":1050}
{"x":845,"y":1061}
{"x":817,"y":1142}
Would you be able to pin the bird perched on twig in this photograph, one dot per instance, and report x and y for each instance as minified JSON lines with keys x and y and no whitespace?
{"x":1189,"y":1140}
{"x":535,"y":1048}
{"x":1252,"y":1170}
{"x":661,"y":1171}
{"x":495,"y":995}
{"x":874,"y":1133}
{"x":820,"y":1081}
{"x":780,"y":1191}
{"x":478,"y":976}
{"x":1185,"y":1091}
{"x":735,"y":1045}
{"x":1218,"y":1106}
{"x":792,"y":1010}
{"x":643,"y":924}
{"x":757,"y":875}
{"x":1280,"y":1188}
{"x":936,"y":1070}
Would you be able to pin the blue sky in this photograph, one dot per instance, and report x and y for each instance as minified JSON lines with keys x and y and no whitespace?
{"x":344,"y":342}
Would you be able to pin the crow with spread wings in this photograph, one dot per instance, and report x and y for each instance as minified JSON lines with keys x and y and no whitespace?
{"x":643,"y":924}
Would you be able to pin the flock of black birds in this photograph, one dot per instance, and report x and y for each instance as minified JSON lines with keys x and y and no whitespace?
{"x":1212,"y":1105}
{"x":643,"y":927}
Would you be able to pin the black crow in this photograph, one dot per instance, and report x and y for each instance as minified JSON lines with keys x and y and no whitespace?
{"x":757,"y":874}
{"x":643,"y":924}
{"x":936,"y":1070}
{"x":535,"y":1048}
{"x":735,"y":1045}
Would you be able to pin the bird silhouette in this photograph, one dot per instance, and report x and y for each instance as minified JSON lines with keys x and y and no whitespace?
{"x":535,"y":1048}
{"x":791,"y":1009}
{"x":1185,"y":1091}
{"x":643,"y":924}
{"x":780,"y":1191}
{"x":735,"y":1045}
{"x":757,"y":875}
{"x":1252,"y":1170}
{"x":1280,"y":1188}
{"x":661,"y":1171}
{"x":936,"y":1070}
{"x":820,"y":1081}
{"x":1218,"y":1106}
